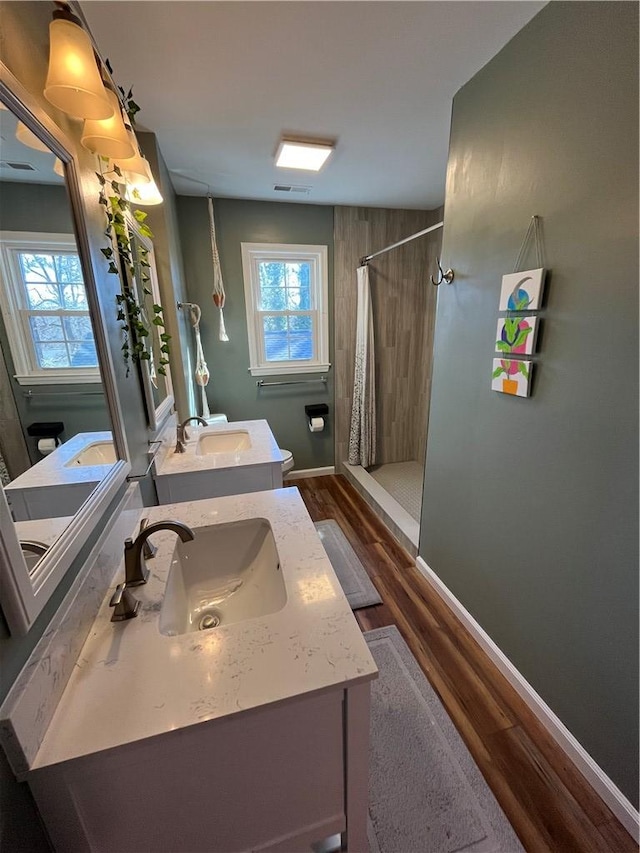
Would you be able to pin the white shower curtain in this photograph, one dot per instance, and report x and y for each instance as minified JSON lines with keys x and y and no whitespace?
{"x":362,"y":437}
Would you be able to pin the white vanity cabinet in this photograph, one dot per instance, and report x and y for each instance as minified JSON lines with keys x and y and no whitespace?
{"x":215,"y":483}
{"x":276,"y":778}
{"x":252,"y":735}
{"x":223,"y":459}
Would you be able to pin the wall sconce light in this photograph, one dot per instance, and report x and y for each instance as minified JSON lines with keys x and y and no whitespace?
{"x":58,"y":167}
{"x":74,"y":84}
{"x":108,"y":136}
{"x":28,"y":138}
{"x":143,"y":194}
{"x":135,"y":170}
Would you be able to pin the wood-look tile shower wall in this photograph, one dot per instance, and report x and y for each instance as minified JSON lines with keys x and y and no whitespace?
{"x":404,"y":304}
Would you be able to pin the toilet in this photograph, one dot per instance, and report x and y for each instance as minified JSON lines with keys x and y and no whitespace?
{"x":287,"y":455}
{"x":287,"y":461}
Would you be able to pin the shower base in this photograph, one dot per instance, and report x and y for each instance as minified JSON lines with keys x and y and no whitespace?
{"x":403,"y":481}
{"x":394,"y":492}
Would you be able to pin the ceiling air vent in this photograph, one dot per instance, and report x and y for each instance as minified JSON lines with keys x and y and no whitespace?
{"x":290,"y":188}
{"x":19,"y":167}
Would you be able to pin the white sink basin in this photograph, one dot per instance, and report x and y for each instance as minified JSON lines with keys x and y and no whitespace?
{"x":228,"y":573}
{"x":227,"y":441}
{"x":96,"y":453}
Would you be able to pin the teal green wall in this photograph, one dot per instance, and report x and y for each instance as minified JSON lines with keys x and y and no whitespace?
{"x":530,"y":512}
{"x":45,"y":208}
{"x":232,"y":389}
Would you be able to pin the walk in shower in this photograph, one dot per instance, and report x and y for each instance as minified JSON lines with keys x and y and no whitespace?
{"x":403,"y":309}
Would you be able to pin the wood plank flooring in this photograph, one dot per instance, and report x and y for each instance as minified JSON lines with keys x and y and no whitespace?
{"x":548,"y":802}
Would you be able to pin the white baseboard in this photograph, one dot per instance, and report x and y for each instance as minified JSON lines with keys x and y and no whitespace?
{"x":592,"y":772}
{"x":309,"y":472}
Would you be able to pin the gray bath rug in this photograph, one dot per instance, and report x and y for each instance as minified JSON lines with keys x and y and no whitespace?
{"x":352,"y":575}
{"x":426,"y":793}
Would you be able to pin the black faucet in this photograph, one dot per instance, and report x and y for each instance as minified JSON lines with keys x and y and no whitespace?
{"x":182,"y":434}
{"x":136,"y":571}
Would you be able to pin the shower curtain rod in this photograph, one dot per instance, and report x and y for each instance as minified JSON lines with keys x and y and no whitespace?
{"x":367,"y":258}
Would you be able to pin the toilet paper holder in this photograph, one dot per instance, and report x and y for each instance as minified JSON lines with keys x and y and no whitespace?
{"x":46,"y":430}
{"x":314,"y":412}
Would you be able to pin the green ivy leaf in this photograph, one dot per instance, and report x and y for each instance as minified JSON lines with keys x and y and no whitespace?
{"x":157,"y":321}
{"x":164,"y":337}
{"x":157,"y":308}
{"x":108,"y":253}
{"x":117,"y":170}
{"x":146,"y":231}
{"x":140,"y":215}
{"x":112,"y":269}
{"x":165,"y":348}
{"x":102,"y":200}
{"x":101,"y":178}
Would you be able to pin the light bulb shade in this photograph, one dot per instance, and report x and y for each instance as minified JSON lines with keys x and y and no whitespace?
{"x":28,"y":137}
{"x":135,"y":170}
{"x":73,"y":83}
{"x":108,"y":136}
{"x":58,"y":167}
{"x":143,"y":194}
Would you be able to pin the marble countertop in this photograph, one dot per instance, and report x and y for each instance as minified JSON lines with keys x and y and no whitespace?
{"x":131,"y":682}
{"x":264,"y":449}
{"x":45,"y":530}
{"x":52,"y":470}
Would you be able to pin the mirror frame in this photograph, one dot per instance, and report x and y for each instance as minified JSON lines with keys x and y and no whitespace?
{"x":25,"y":595}
{"x":156,"y":415}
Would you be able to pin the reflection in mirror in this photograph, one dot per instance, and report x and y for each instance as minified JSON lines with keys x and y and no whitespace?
{"x":55,"y":429}
{"x":156,"y":375}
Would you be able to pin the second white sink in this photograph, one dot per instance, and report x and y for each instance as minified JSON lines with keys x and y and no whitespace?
{"x":227,"y":441}
{"x":228,"y":573}
{"x":96,"y":453}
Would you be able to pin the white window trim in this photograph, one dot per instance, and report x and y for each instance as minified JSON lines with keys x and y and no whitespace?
{"x":11,"y":307}
{"x":252,"y":253}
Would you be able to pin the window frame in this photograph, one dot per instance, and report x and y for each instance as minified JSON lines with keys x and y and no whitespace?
{"x":13,"y":305}
{"x":252,"y":255}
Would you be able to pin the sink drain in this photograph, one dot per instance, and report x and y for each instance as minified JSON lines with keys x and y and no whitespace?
{"x":209,"y":620}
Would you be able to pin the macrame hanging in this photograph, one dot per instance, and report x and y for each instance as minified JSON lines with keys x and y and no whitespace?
{"x":218,"y":286}
{"x":201,"y":371}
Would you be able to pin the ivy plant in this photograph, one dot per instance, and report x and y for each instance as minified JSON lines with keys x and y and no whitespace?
{"x":134,"y":324}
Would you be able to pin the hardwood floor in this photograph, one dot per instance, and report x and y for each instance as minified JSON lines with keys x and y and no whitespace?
{"x":549,"y":804}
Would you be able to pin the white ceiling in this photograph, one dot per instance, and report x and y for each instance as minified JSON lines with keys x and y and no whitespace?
{"x":219,"y":82}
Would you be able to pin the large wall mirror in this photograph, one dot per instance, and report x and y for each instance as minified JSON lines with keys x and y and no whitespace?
{"x":62,"y":450}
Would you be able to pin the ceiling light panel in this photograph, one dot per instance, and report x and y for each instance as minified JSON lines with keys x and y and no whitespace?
{"x":302,"y":155}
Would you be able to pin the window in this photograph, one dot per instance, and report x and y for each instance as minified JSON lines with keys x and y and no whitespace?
{"x":45,"y":309}
{"x":286,"y":291}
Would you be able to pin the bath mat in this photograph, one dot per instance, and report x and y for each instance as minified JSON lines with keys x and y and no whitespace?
{"x":352,"y":575}
{"x":426,"y":793}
